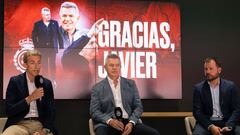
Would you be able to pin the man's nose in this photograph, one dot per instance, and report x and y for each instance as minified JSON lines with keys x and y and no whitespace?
{"x":67,"y":18}
{"x":207,"y":71}
{"x":114,"y":67}
{"x":37,"y":65}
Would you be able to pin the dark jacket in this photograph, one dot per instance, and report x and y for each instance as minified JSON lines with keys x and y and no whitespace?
{"x":229,"y":103}
{"x":17,"y":107}
{"x":40,"y":38}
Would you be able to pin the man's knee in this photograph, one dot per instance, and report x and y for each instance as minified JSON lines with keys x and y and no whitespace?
{"x":145,"y":130}
{"x":101,"y":131}
{"x":199,"y":130}
{"x":15,"y":130}
{"x":154,"y":132}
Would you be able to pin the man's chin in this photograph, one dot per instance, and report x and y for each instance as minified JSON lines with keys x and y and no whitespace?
{"x":36,"y":73}
{"x":67,"y":27}
{"x":211,"y":79}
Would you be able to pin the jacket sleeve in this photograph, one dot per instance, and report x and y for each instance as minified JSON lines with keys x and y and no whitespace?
{"x":72,"y":52}
{"x":95,"y":108}
{"x":60,"y":39}
{"x":198,"y":109}
{"x":136,"y":106}
{"x":35,"y":35}
{"x":15,"y":103}
{"x":48,"y":108}
{"x":235,"y":106}
{"x":79,"y":44}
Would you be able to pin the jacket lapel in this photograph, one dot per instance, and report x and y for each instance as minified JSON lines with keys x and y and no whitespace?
{"x":221,"y":93}
{"x":25,"y":86}
{"x":123,"y":91}
{"x":208,"y":95}
{"x":108,"y":90}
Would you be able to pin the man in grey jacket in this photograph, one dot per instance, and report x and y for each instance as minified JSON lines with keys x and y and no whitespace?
{"x":117,"y":92}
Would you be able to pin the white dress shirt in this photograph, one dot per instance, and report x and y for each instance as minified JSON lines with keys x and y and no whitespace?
{"x":117,"y":96}
{"x":33,"y":111}
{"x":217,"y":113}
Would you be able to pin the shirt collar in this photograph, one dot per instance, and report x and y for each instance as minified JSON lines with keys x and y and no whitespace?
{"x":66,"y":33}
{"x":111,"y":81}
{"x":28,"y":80}
{"x":218,"y":83}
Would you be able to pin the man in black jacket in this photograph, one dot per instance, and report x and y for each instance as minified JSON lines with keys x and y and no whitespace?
{"x":47,"y":39}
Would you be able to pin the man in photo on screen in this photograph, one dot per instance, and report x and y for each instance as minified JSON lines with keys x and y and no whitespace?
{"x":79,"y":50}
{"x":47,"y":39}
{"x":30,"y":110}
{"x":216,"y":105}
{"x":115,"y":105}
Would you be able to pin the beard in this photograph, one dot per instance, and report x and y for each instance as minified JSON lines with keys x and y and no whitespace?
{"x":212,"y":78}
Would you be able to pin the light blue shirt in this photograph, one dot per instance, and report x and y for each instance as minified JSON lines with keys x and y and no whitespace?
{"x":217,"y":113}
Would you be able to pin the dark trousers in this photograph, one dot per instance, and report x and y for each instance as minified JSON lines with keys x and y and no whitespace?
{"x":48,"y":62}
{"x":199,"y":130}
{"x":138,"y":129}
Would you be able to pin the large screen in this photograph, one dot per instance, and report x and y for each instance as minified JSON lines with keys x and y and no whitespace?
{"x":145,"y":34}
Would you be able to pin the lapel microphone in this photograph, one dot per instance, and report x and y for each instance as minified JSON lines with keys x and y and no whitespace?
{"x":118,"y":113}
{"x":38,"y":80}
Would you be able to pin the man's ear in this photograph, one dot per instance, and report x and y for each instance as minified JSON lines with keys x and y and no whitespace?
{"x":219,"y":70}
{"x":24,"y":65}
{"x":105,"y":66}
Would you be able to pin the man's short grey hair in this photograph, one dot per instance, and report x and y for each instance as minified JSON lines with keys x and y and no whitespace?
{"x":45,"y":10}
{"x":68,"y":4}
{"x":112,"y":56}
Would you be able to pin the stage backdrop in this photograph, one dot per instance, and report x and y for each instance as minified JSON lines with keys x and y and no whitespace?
{"x":145,"y":34}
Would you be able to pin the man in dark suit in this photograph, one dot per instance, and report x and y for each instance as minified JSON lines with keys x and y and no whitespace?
{"x":29,"y":109}
{"x":117,"y":92}
{"x":215,"y":102}
{"x":46,"y":38}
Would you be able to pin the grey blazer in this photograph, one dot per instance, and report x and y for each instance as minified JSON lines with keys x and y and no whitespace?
{"x":102,"y":101}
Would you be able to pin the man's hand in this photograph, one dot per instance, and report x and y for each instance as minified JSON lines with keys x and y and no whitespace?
{"x":128,"y":129}
{"x":226,"y":129}
{"x":215,"y":130}
{"x":116,"y":124}
{"x":95,"y":29}
{"x":38,"y":93}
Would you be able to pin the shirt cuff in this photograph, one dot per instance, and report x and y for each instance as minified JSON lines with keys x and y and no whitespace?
{"x":88,"y":35}
{"x":132,"y":122}
{"x":108,"y":121}
{"x":210,"y":126}
{"x":230,"y":128}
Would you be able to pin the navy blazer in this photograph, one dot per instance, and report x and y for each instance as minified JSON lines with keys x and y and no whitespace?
{"x":102,"y":101}
{"x":17,"y":107}
{"x":229,"y":103}
{"x":71,"y":58}
{"x":39,"y":35}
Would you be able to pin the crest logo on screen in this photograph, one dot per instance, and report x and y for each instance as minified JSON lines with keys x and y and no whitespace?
{"x":26,"y":44}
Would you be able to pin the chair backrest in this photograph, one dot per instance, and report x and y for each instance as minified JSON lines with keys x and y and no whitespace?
{"x":2,"y":124}
{"x":189,"y":124}
{"x":91,"y":127}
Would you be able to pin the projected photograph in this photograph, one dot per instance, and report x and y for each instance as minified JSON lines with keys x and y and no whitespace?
{"x":145,"y":35}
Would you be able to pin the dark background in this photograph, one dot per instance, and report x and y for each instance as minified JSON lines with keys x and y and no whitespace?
{"x":208,"y":28}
